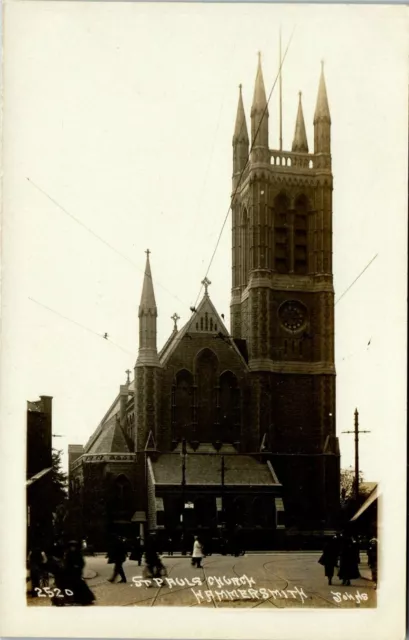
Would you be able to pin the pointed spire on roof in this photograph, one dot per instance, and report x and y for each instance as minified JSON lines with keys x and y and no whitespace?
{"x":148,"y":302}
{"x":150,"y":443}
{"x":300,"y":142}
{"x":322,"y":107}
{"x":240,"y":130}
{"x":148,"y":354}
{"x":259,"y":97}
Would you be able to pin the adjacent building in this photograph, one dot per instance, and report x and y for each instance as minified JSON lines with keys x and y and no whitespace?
{"x":39,"y":468}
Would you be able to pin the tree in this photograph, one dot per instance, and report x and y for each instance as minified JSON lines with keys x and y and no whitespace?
{"x":347,"y":485}
{"x":58,"y":493}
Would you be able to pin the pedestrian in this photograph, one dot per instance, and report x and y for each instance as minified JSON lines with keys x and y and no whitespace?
{"x":72,"y":576}
{"x":349,"y":560}
{"x":329,"y":558}
{"x":117,"y":556}
{"x":170,"y":546}
{"x":154,"y":567}
{"x":197,"y":554}
{"x":37,"y":562}
{"x":373,"y":559}
{"x":136,"y":553}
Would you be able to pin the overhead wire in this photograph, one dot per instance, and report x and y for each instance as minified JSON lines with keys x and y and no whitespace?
{"x":93,"y":233}
{"x":100,"y":335}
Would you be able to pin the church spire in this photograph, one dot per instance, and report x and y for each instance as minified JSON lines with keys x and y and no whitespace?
{"x":240,"y":130}
{"x":322,"y":119}
{"x":322,"y":107}
{"x":259,"y":111}
{"x":148,"y":354}
{"x":300,"y":142}
{"x":240,"y":140}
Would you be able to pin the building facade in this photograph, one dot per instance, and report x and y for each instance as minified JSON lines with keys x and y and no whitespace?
{"x":227,"y":431}
{"x":38,"y":472}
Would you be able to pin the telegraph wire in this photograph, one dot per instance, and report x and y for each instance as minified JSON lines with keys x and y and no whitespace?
{"x":100,"y":335}
{"x":242,"y":173}
{"x":356,"y":279}
{"x":107,"y":244}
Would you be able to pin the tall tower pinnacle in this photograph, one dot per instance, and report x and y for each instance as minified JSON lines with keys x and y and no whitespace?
{"x":300,"y":142}
{"x":240,"y":141}
{"x":322,"y":119}
{"x":148,"y":354}
{"x":259,"y":112}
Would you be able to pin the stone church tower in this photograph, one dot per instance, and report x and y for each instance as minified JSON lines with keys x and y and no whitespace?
{"x":282,"y":300}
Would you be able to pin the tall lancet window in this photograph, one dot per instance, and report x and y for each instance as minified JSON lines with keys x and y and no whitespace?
{"x":301,"y":236}
{"x":281,"y":234}
{"x":206,"y":373}
{"x":245,"y":247}
{"x":229,"y":408}
{"x":183,"y":404}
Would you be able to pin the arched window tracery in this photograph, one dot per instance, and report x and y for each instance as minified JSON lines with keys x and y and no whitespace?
{"x":183,"y":403}
{"x":206,"y":373}
{"x":281,"y":234}
{"x":301,"y":236}
{"x":229,"y":408}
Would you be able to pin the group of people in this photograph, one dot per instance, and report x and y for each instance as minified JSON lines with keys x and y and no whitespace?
{"x":65,"y":563}
{"x":343,"y":552}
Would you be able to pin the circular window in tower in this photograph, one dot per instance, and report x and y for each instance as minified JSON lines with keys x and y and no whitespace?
{"x":292,"y":315}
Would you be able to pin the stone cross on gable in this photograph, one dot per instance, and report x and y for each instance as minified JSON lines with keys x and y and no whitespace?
{"x":175,"y":319}
{"x":147,"y":252}
{"x":128,"y":373}
{"x":206,"y":282}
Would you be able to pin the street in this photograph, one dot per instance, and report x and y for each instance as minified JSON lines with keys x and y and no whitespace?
{"x":254,"y":580}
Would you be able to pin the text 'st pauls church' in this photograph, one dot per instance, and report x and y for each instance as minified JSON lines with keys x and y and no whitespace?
{"x":224,"y":431}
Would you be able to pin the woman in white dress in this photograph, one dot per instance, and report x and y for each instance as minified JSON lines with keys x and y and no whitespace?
{"x":197,"y":554}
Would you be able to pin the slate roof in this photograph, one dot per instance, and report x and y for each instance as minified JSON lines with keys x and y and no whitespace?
{"x":206,"y":470}
{"x":110,"y":440}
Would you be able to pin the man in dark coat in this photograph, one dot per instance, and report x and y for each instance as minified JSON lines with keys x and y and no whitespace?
{"x":137,"y":551}
{"x":117,"y":556}
{"x":329,"y":558}
{"x":72,"y":576}
{"x":349,"y":561}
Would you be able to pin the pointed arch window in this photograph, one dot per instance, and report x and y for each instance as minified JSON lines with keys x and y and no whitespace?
{"x":281,"y":234}
{"x":229,"y":408}
{"x":301,"y":236}
{"x":206,"y":372}
{"x":183,"y":404}
{"x":245,"y":247}
{"x":122,"y":494}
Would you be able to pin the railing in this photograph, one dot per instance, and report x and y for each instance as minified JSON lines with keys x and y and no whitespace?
{"x":286,"y":159}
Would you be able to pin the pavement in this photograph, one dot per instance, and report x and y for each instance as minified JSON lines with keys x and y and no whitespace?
{"x":272,"y":580}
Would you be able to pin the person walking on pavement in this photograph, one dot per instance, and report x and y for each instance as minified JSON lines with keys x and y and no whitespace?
{"x":117,"y":556}
{"x":170,"y":546}
{"x":329,"y":558}
{"x":136,"y":553}
{"x":349,"y":560}
{"x":37,"y":561}
{"x":197,"y":554}
{"x":373,"y":559}
{"x":72,"y":576}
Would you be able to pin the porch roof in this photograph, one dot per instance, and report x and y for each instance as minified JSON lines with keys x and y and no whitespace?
{"x":206,"y":470}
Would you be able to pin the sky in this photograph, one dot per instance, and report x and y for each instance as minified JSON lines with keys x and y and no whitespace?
{"x":118,"y":126}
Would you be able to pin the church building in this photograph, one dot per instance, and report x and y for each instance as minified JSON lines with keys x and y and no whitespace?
{"x":224,"y":430}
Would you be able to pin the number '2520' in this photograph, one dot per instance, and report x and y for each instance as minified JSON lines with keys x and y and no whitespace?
{"x":52,"y":593}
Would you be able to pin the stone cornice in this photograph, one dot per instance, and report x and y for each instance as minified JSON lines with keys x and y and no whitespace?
{"x":287,"y":282}
{"x":103,"y":457}
{"x":304,"y":368}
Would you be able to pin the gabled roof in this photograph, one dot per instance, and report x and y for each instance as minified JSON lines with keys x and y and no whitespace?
{"x":111,"y":439}
{"x":206,"y":321}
